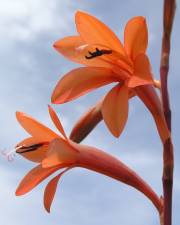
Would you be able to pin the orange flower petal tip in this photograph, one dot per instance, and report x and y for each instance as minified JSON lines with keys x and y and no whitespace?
{"x":136,"y":36}
{"x":56,"y":121}
{"x":80,"y":13}
{"x":136,"y":21}
{"x":115,"y":109}
{"x":33,"y":178}
{"x":50,"y":191}
{"x":18,"y":193}
{"x":54,"y":99}
{"x":56,"y":45}
{"x":80,"y":81}
{"x":19,"y":114}
{"x":59,"y":45}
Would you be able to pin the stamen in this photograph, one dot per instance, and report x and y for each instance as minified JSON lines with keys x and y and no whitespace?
{"x":9,"y":155}
{"x":30,"y":148}
{"x":98,"y":53}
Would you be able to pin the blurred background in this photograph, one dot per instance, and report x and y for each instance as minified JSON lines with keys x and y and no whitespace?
{"x":29,"y":70}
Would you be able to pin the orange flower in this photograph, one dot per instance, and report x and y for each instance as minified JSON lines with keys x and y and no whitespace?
{"x":35,"y":147}
{"x":55,"y":152}
{"x":107,"y":61}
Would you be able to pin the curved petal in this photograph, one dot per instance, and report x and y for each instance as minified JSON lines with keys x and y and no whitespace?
{"x":36,"y":156}
{"x":34,"y":177}
{"x":28,"y":141}
{"x":35,"y":128}
{"x":68,"y":45}
{"x":90,"y":120}
{"x":56,"y":121}
{"x":142,"y":67}
{"x":59,"y":152}
{"x":80,"y":81}
{"x":115,"y":109}
{"x":142,"y":72}
{"x":75,"y":49}
{"x":50,"y":190}
{"x":136,"y":36}
{"x":93,"y":31}
{"x":136,"y":81}
{"x":150,"y":98}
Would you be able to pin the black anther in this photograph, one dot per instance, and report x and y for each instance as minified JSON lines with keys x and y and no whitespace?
{"x":30,"y":148}
{"x":98,"y":53}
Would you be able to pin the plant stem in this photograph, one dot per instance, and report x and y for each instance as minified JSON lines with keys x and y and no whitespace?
{"x":168,"y":156}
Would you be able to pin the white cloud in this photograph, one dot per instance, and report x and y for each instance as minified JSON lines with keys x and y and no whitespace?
{"x":24,"y":19}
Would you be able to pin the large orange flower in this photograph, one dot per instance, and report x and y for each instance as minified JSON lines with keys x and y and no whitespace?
{"x":54,"y":152}
{"x":107,"y":61}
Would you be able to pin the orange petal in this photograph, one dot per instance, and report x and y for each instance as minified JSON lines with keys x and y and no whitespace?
{"x":108,"y":59}
{"x":142,"y":72}
{"x":93,"y":31}
{"x":37,"y":155}
{"x":136,"y":81}
{"x":50,"y":191}
{"x":136,"y":36}
{"x":150,"y":98}
{"x":80,"y":81}
{"x":56,"y":121}
{"x":34,"y":177}
{"x":86,"y":123}
{"x":75,"y":49}
{"x":68,"y":46}
{"x":115,"y":109}
{"x":35,"y":128}
{"x":60,"y":151}
{"x":89,"y":121}
{"x":142,"y":67}
{"x":28,"y":141}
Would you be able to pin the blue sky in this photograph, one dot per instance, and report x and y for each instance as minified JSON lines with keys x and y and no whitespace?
{"x":29,"y":70}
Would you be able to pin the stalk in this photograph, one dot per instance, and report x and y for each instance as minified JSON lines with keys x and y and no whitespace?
{"x":168,"y":156}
